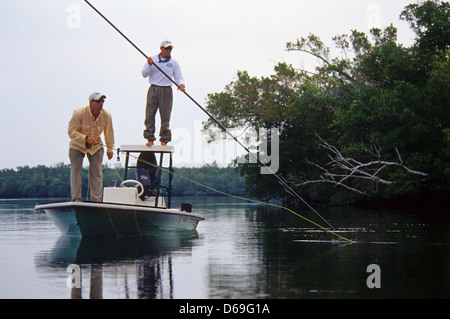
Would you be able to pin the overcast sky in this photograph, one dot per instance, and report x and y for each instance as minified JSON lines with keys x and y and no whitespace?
{"x":54,"y":53}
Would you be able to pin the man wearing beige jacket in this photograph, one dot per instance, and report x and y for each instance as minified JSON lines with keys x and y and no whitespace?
{"x":85,"y":127}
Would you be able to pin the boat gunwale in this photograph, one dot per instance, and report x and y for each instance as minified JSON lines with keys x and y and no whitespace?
{"x":141,"y":208}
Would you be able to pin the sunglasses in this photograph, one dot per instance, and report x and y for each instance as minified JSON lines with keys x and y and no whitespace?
{"x":99,"y":101}
{"x":169,"y":48}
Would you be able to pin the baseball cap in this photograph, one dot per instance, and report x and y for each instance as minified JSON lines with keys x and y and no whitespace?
{"x":96,"y":96}
{"x":166,"y":44}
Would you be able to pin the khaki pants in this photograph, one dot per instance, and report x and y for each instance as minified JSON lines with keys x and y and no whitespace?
{"x":158,"y":97}
{"x":95,"y":174}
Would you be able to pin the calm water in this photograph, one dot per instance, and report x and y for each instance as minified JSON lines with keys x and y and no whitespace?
{"x":242,"y":250}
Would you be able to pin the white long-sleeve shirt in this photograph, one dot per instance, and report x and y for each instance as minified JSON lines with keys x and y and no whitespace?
{"x":169,"y":66}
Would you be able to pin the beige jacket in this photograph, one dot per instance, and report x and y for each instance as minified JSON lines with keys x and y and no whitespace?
{"x":83,"y":124}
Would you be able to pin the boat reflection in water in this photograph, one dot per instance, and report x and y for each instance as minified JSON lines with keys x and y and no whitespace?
{"x":106,"y":267}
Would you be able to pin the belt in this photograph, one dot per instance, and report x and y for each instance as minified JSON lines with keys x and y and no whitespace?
{"x":160,"y":86}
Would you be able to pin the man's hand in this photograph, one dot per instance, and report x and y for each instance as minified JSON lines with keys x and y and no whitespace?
{"x":150,"y":61}
{"x":182,"y":88}
{"x":91,"y":141}
{"x":109,"y":154}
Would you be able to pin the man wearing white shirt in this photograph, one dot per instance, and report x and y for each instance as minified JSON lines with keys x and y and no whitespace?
{"x":159,"y":94}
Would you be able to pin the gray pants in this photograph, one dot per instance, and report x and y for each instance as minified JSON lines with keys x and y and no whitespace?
{"x":95,"y":174}
{"x":158,"y":97}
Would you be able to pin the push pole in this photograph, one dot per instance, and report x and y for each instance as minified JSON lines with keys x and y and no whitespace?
{"x":280,"y":180}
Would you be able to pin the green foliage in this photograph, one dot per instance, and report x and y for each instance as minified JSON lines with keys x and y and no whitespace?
{"x":54,"y":182}
{"x":252,"y":102}
{"x":375,"y":102}
{"x":186,"y":181}
{"x":36,"y":182}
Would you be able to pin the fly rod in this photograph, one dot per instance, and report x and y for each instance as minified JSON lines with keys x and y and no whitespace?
{"x":280,"y":180}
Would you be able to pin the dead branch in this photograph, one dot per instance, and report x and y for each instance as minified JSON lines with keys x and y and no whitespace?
{"x":344,"y":169}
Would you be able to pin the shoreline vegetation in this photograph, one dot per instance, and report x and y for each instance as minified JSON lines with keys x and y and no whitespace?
{"x":43,"y":182}
{"x":54,"y":181}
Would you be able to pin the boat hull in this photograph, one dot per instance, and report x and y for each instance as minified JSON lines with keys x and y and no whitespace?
{"x":103,"y":219}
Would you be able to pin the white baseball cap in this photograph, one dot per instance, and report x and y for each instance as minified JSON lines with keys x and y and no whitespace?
{"x":96,"y":96}
{"x":166,"y":44}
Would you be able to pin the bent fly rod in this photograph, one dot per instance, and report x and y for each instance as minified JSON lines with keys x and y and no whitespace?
{"x":280,"y":179}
